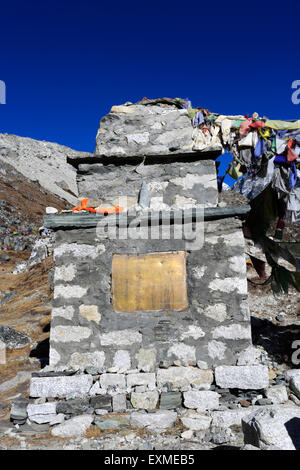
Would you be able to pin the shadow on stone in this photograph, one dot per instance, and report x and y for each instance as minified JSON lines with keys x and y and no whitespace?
{"x":275,"y":339}
{"x":41,"y":352}
{"x":293,"y":429}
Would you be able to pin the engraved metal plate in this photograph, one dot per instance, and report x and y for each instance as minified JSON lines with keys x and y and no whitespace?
{"x":149,"y":282}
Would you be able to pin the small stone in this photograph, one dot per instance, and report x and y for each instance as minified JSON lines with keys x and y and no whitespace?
{"x":76,"y":406}
{"x":277,"y":394}
{"x":187,"y":435}
{"x":13,"y":339}
{"x":116,"y":381}
{"x":19,"y":409}
{"x":245,"y":403}
{"x":122,"y":360}
{"x":153,"y":421}
{"x":51,"y":210}
{"x":146,"y":359}
{"x":119,"y":403}
{"x":146,"y":401}
{"x":295,"y":385}
{"x":147,"y":379}
{"x":101,"y":402}
{"x":250,"y":356}
{"x":90,"y":312}
{"x":170,"y":400}
{"x":195,"y":421}
{"x":263,"y":401}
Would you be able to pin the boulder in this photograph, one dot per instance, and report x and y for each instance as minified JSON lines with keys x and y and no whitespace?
{"x":276,"y":428}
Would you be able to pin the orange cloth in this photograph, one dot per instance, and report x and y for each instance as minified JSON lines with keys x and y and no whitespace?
{"x":100,"y":210}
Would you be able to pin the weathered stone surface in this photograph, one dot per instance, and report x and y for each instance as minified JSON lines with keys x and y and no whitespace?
{"x":81,"y":361}
{"x":112,"y":421}
{"x":216,"y":349}
{"x":102,"y":402}
{"x":184,"y":353}
{"x":122,"y":360}
{"x":43,"y":413}
{"x":64,"y":312}
{"x":13,"y":339}
{"x":146,"y":400}
{"x":119,"y":403}
{"x":162,"y":419}
{"x":295,"y":385}
{"x":250,"y":356}
{"x":144,"y":130}
{"x":277,"y":394}
{"x":76,"y":385}
{"x":57,"y":419}
{"x":182,"y":377}
{"x":217,"y":312}
{"x":19,"y":408}
{"x":277,"y":428}
{"x":69,"y":291}
{"x":65,"y":273}
{"x":227,"y":418}
{"x":78,"y":250}
{"x":289,"y":374}
{"x":201,"y":400}
{"x":170,"y":400}
{"x":195,"y":421}
{"x":90,"y":312}
{"x":193,"y":331}
{"x":147,"y":379}
{"x":244,"y":377}
{"x":66,"y":334}
{"x":45,"y":162}
{"x":74,"y":427}
{"x":113,"y":380}
{"x":146,"y":359}
{"x":120,"y":338}
{"x":74,"y":406}
{"x":235,"y":331}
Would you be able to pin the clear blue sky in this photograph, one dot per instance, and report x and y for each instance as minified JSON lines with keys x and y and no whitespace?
{"x":66,"y":63}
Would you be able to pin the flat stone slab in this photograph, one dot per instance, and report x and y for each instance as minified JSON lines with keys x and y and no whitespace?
{"x":74,"y":427}
{"x":243,"y":377}
{"x":52,"y":387}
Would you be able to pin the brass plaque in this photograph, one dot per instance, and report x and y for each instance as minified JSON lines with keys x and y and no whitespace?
{"x":151,"y":282}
